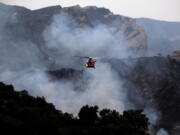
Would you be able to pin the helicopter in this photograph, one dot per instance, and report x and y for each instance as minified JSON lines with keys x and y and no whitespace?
{"x":90,"y":62}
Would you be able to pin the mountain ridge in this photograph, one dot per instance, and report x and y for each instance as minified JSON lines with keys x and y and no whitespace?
{"x":163,"y":36}
{"x":33,"y":23}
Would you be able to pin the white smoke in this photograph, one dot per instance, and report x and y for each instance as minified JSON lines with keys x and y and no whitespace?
{"x":103,"y":89}
{"x":23,"y":67}
{"x":66,"y":39}
{"x":153,"y":115}
{"x":162,"y":132}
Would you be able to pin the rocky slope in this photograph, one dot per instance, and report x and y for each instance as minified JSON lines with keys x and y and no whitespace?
{"x":163,"y":36}
{"x":157,"y":80}
{"x":176,"y":55}
{"x":24,"y":24}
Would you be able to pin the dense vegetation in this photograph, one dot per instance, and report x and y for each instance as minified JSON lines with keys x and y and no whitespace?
{"x":21,"y":113}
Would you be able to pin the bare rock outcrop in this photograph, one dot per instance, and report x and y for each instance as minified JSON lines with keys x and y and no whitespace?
{"x":29,"y":25}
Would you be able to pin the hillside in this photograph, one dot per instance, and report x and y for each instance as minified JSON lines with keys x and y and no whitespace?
{"x":24,"y":24}
{"x":163,"y":37}
{"x":149,"y":81}
{"x":23,"y":114}
{"x":157,"y":80}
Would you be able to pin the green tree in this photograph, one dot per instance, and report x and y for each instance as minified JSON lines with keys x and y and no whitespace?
{"x":88,"y":115}
{"x":108,"y":116}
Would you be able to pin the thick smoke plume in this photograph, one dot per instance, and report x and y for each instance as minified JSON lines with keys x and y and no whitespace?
{"x":66,"y":39}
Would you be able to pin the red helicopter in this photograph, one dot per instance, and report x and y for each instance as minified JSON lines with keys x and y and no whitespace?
{"x":90,"y":62}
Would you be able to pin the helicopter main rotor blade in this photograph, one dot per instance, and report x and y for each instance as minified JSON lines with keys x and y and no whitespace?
{"x":86,"y":57}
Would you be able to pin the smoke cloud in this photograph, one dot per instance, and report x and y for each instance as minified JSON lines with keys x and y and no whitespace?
{"x":23,"y":66}
{"x":66,"y":39}
{"x":162,"y":132}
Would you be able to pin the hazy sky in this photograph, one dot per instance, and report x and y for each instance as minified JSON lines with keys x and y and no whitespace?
{"x":158,"y":9}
